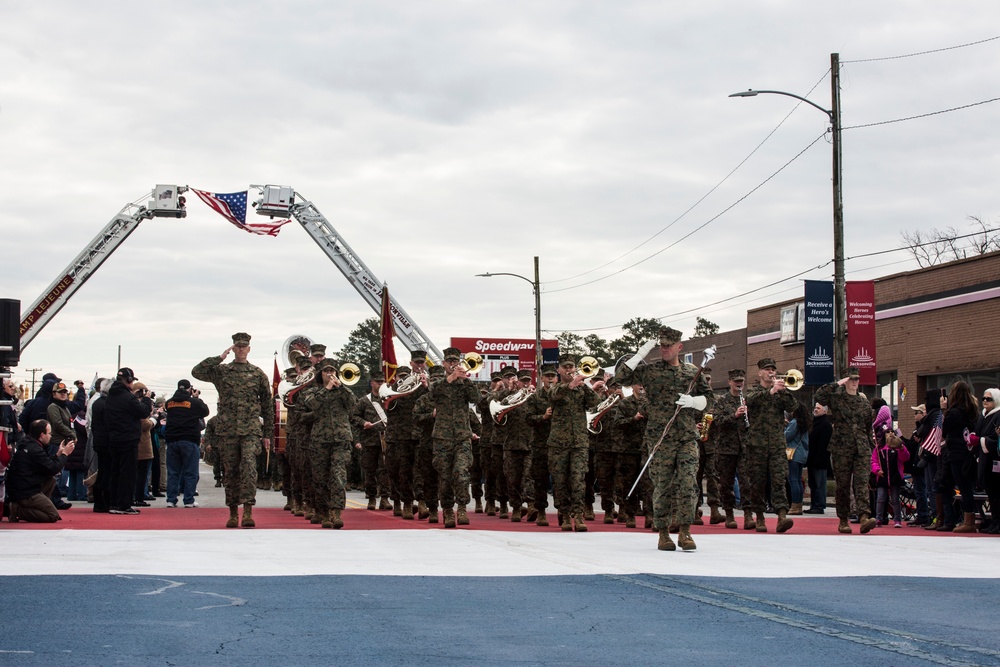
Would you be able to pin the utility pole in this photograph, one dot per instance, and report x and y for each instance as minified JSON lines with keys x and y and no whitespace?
{"x":839,"y":282}
{"x":32,"y":371}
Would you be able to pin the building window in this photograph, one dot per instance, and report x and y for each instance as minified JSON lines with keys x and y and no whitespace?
{"x":980,"y":381}
{"x":887,"y":388}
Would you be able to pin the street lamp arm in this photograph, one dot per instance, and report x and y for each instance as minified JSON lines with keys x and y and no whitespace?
{"x":753,"y":93}
{"x":515,"y":275}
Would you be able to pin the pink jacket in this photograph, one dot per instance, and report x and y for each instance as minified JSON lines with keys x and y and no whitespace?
{"x":902,"y":455}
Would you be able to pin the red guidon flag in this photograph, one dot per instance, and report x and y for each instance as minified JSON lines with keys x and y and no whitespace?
{"x":388,"y":332}
{"x":275,"y":377}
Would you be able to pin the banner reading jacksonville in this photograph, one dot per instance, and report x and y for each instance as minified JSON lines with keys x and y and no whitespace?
{"x":861,"y":328}
{"x":819,"y":332}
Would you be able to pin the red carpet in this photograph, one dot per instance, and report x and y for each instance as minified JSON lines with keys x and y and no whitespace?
{"x":361,"y":519}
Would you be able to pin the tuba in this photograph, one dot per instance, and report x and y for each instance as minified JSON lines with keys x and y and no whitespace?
{"x":594,"y":424}
{"x":499,"y":409}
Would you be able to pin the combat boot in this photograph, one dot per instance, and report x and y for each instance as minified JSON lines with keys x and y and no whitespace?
{"x":630,"y":521}
{"x":580,"y":523}
{"x":327,"y":520}
{"x":371,"y":503}
{"x":541,"y":520}
{"x":665,"y":543}
{"x":449,"y":518}
{"x":491,"y":509}
{"x":532,"y":513}
{"x":397,"y":509}
{"x":298,"y":509}
{"x":565,"y":523}
{"x":731,"y":520}
{"x":422,"y":511}
{"x":748,"y":521}
{"x":502,"y":513}
{"x":784,"y":523}
{"x":462,"y":516}
{"x":647,"y":522}
{"x":609,"y":516}
{"x":407,"y":512}
{"x":515,"y":514}
{"x":698,"y":521}
{"x":761,"y":526}
{"x":589,"y":512}
{"x":684,"y":539}
{"x":844,"y":527}
{"x":796,"y":509}
{"x":714,"y":516}
{"x":234,"y":516}
{"x":337,"y":521}
{"x":432,"y":515}
{"x":867,"y":523}
{"x":248,"y":521}
{"x":288,"y":506}
{"x":315,"y":517}
{"x":383,"y":504}
{"x":479,"y":505}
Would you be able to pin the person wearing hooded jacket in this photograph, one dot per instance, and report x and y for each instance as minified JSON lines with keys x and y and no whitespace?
{"x":186,"y":415}
{"x":123,"y":414}
{"x":988,"y":430}
{"x":36,"y":407}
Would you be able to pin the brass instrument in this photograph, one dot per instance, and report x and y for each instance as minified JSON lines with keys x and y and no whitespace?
{"x":294,"y":348}
{"x":703,"y":426}
{"x":594,"y":424}
{"x":471,"y":363}
{"x":588,"y":367}
{"x":349,"y":374}
{"x":499,"y":409}
{"x":793,"y":379}
{"x":406,"y":386}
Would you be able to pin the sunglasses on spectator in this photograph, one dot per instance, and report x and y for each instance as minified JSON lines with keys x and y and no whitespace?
{"x":987,"y":398}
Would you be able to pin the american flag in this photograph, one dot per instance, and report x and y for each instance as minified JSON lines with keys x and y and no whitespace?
{"x":233,"y":207}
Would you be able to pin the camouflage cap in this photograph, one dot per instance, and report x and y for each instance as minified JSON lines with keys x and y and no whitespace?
{"x":550,"y":369}
{"x":737,"y":374}
{"x":508,"y":371}
{"x":669,"y":336}
{"x":327,"y":363}
{"x":403,"y":370}
{"x":567,"y":359}
{"x":377,"y":376}
{"x":418,"y":355}
{"x":436,"y":371}
{"x":524,"y":375}
{"x":495,"y":376}
{"x":854,"y":373}
{"x":303,"y":363}
{"x":767,"y":362}
{"x":291,"y":371}
{"x":452,"y":354}
{"x":241,"y":338}
{"x":317,"y":349}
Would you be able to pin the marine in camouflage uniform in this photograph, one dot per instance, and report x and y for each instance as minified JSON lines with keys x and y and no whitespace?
{"x":453,"y":436}
{"x":851,"y":446}
{"x":626,"y":425}
{"x":767,"y":402}
{"x":515,"y":437}
{"x":370,"y":426}
{"x":569,"y":442}
{"x":423,"y":423}
{"x":673,"y":389}
{"x":729,"y":431}
{"x":327,"y":406}
{"x":509,"y":380}
{"x":400,"y":443}
{"x":297,"y":445}
{"x":538,"y":413}
{"x":708,"y":475}
{"x":486,"y":444}
{"x":244,"y":400}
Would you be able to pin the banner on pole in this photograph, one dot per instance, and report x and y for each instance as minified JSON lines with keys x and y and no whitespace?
{"x":818,"y":332}
{"x":861,"y":328}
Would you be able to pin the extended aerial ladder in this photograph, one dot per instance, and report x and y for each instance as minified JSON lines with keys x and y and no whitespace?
{"x":283,"y":201}
{"x":168,"y":201}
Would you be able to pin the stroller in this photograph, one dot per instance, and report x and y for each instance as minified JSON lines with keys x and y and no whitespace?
{"x":907,"y":499}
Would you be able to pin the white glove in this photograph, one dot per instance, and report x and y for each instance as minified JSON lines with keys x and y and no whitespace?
{"x":646,"y":348}
{"x":693,"y":402}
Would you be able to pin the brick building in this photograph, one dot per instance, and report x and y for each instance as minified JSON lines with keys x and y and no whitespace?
{"x":933,"y":327}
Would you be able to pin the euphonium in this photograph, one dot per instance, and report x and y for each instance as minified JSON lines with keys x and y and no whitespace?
{"x":499,"y":409}
{"x":350,"y":374}
{"x":406,"y":386}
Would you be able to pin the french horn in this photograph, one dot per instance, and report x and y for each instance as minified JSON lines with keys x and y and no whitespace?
{"x":594,"y":424}
{"x":499,"y":409}
{"x":406,"y":386}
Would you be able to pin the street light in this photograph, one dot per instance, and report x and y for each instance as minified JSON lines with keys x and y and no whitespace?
{"x":839,"y":284}
{"x":538,"y":311}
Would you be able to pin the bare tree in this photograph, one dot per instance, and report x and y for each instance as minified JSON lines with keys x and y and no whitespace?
{"x":938,"y":246}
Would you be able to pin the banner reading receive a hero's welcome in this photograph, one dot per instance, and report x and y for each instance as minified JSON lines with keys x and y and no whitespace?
{"x":819,"y":332}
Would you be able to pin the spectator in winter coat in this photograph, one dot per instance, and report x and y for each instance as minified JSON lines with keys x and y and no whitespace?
{"x":124,"y":413}
{"x":988,"y":430}
{"x":32,"y":475}
{"x":818,"y":461}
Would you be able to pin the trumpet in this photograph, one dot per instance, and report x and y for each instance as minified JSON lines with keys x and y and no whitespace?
{"x":793,"y":379}
{"x":471,"y":363}
{"x":349,"y":374}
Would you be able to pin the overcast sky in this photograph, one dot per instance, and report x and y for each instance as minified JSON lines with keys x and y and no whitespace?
{"x":446,"y":139}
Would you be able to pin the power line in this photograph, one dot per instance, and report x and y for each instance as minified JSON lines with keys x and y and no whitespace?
{"x":793,"y":276}
{"x":703,"y":197}
{"x":699,"y":227}
{"x":924,"y":115}
{"x":922,"y":53}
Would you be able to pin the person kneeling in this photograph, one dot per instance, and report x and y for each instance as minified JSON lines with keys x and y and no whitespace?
{"x":32,"y":475}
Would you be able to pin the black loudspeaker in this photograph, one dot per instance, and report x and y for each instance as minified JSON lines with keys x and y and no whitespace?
{"x":10,"y":331}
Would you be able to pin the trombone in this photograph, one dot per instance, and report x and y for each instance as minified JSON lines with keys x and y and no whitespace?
{"x":349,"y":374}
{"x":793,"y":379}
{"x":471,"y":363}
